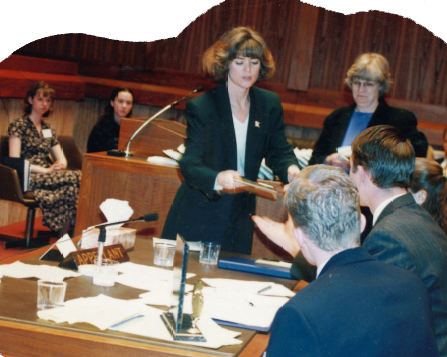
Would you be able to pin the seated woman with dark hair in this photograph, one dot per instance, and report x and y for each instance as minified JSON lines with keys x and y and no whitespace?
{"x":429,"y":189}
{"x":105,"y":134}
{"x":30,"y":137}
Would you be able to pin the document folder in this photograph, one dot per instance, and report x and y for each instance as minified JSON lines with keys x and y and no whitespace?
{"x":249,"y":266}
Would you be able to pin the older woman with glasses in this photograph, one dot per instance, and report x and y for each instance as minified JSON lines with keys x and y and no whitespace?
{"x":369,"y":79}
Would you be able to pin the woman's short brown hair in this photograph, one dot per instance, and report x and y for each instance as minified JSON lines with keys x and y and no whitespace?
{"x":38,"y":88}
{"x":371,"y":67}
{"x":238,"y":41}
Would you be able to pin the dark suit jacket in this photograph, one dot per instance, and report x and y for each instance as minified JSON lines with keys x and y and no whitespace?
{"x":336,"y":124}
{"x":198,"y":211}
{"x":407,"y":236}
{"x":358,"y":306}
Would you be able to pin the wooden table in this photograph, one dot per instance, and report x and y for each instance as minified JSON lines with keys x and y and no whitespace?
{"x":22,"y":333}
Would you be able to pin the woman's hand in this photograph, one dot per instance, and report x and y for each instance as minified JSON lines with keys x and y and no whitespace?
{"x":337,"y":160}
{"x":279,"y":233}
{"x":292,"y":172}
{"x":57,"y":166}
{"x":225,"y":179}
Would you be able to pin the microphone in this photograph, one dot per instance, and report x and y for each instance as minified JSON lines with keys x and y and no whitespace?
{"x":146,"y":218}
{"x":102,"y":231}
{"x":127,"y":152}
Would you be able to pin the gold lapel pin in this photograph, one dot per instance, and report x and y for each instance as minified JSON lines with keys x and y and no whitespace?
{"x":257,"y":124}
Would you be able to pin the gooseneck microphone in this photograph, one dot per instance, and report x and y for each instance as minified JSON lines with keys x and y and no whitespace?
{"x":172,"y":105}
{"x":102,"y":231}
{"x":146,"y":218}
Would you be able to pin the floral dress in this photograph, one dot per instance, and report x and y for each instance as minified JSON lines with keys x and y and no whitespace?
{"x":56,"y":192}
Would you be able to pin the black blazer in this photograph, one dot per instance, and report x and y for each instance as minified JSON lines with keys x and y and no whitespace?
{"x":358,"y":306}
{"x":407,"y":236}
{"x":199,"y":212}
{"x":336,"y":124}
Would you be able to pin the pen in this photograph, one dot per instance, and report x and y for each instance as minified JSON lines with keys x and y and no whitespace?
{"x":270,"y":259}
{"x":264,"y":290}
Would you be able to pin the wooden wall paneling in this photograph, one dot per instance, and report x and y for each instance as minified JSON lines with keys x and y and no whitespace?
{"x":328,"y":51}
{"x":62,"y":119}
{"x":428,"y":66}
{"x":23,"y":63}
{"x":416,"y":56}
{"x":87,"y":114}
{"x":302,"y":57}
{"x":439,"y":72}
{"x":10,"y":109}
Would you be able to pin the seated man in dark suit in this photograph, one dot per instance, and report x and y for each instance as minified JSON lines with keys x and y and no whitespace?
{"x":404,"y":234}
{"x":357,"y":306}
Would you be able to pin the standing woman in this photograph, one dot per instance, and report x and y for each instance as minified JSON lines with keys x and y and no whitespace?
{"x":55,"y":188}
{"x":231,"y":128}
{"x":105,"y":134}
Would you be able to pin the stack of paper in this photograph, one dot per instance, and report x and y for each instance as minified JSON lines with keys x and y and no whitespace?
{"x":245,"y":304}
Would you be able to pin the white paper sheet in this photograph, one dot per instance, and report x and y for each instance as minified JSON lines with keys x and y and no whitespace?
{"x":247,"y":309}
{"x":146,"y":277}
{"x":151,"y":325}
{"x":101,"y":311}
{"x":45,"y":272}
{"x":252,"y":287}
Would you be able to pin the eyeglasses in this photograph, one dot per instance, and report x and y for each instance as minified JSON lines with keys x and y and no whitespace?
{"x":366,"y":84}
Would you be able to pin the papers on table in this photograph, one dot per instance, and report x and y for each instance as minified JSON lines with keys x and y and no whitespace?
{"x":245,"y":310}
{"x":151,"y":325}
{"x":45,"y":272}
{"x":173,"y":154}
{"x":101,"y":311}
{"x":251,"y":287}
{"x":246,"y":304}
{"x":159,"y":160}
{"x":145,"y":277}
{"x":131,"y":316}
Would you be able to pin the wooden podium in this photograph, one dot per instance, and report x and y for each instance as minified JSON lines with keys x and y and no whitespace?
{"x":149,"y":187}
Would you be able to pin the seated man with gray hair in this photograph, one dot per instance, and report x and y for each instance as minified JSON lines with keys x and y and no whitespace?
{"x":357,"y":306}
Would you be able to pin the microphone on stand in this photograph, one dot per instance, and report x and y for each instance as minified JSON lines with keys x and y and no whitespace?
{"x":127,"y":152}
{"x":102,"y":231}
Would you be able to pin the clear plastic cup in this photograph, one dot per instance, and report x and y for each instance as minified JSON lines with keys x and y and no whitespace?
{"x":106,"y":274}
{"x":164,"y":254}
{"x":50,"y":294}
{"x":209,"y":253}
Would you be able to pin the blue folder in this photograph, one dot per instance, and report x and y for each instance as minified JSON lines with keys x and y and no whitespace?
{"x":249,"y":266}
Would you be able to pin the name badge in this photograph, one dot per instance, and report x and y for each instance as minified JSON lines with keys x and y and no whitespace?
{"x":46,"y":133}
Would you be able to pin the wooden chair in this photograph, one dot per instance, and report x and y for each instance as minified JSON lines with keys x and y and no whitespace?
{"x":10,"y":190}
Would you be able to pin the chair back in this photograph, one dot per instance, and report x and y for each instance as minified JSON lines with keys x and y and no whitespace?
{"x":10,"y":189}
{"x":4,"y":147}
{"x":71,"y":152}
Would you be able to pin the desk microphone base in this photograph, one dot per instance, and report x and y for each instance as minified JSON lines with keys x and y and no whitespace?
{"x":182,"y":334}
